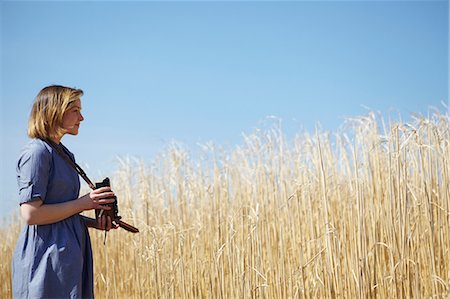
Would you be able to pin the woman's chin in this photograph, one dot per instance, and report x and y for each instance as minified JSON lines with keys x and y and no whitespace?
{"x":73,"y":132}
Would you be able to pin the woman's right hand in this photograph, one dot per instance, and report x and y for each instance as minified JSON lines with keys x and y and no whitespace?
{"x":96,"y":199}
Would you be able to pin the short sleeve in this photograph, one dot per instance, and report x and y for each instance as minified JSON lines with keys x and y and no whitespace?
{"x":33,"y":170}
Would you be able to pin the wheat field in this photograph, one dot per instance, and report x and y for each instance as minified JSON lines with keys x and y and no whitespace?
{"x":362,"y":212}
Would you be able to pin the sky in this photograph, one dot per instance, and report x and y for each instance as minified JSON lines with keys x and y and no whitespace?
{"x":195,"y":72}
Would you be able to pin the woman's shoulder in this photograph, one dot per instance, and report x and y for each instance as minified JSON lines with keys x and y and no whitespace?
{"x":39,"y":145}
{"x":36,"y":148}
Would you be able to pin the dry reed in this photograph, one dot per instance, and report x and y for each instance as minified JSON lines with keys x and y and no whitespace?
{"x":362,"y":213}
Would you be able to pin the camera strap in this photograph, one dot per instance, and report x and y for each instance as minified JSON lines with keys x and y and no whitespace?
{"x":63,"y":152}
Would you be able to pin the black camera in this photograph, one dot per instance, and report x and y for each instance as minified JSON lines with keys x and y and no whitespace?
{"x":114,"y":211}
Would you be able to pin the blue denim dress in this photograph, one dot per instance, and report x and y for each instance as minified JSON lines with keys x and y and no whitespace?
{"x":53,"y":260}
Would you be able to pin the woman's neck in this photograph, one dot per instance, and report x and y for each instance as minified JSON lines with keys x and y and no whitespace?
{"x":56,"y":139}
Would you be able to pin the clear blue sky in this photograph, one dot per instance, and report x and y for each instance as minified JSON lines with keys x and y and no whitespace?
{"x":153,"y":72}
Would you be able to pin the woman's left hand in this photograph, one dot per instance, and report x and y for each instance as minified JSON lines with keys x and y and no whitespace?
{"x":104,"y":223}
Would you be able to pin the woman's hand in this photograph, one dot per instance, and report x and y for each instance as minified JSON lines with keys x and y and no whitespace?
{"x":96,"y":199}
{"x":105,"y":223}
{"x":102,"y":223}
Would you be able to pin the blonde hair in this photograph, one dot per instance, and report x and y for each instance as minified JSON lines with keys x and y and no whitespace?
{"x":48,"y":110}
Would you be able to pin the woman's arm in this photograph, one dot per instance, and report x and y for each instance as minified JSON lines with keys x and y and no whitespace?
{"x":36,"y":212}
{"x":90,"y":222}
{"x":103,"y":223}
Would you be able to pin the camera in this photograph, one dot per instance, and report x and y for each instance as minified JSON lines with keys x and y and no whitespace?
{"x":114,"y":211}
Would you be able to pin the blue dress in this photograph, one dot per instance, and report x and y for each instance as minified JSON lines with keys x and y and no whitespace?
{"x":53,"y":260}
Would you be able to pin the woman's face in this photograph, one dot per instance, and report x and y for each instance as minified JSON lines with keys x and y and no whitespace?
{"x":72,"y":118}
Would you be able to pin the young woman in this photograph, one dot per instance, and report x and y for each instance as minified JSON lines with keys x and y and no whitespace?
{"x":53,"y":256}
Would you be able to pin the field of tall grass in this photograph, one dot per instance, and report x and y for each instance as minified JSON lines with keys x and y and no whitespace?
{"x":362,"y":212}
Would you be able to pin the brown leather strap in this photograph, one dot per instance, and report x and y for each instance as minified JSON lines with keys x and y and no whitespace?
{"x":127,"y":226}
{"x":72,"y":163}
